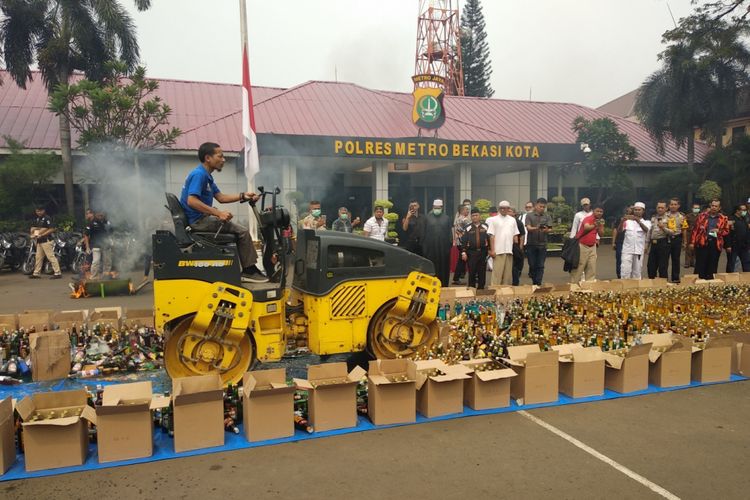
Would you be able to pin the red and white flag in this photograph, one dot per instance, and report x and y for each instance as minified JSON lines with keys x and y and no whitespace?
{"x":252,"y":163}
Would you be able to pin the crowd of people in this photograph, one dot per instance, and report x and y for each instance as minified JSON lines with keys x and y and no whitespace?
{"x":468,"y":246}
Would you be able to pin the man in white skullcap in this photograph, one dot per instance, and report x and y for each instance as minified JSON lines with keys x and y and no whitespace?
{"x":438,"y":240}
{"x":633,"y":245}
{"x":579,"y":216}
{"x":503,"y":231}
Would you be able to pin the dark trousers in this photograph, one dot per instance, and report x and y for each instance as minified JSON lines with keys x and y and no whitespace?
{"x":744,"y":257}
{"x":658,"y":258}
{"x":707,"y":260}
{"x":476,"y":261}
{"x":618,"y":257}
{"x":536,"y":254}
{"x":245,"y":248}
{"x":675,"y":250}
{"x":460,"y":270}
{"x":414,"y":247}
{"x":517,"y":264}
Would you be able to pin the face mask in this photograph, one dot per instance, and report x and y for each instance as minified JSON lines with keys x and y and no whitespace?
{"x":437,"y":211}
{"x":696,"y":210}
{"x":743,"y":213}
{"x":315,"y":212}
{"x":343,"y":216}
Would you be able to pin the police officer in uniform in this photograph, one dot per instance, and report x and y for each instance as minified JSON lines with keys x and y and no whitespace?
{"x":658,"y":254}
{"x":474,"y":246}
{"x":677,"y":227}
{"x":41,"y":234}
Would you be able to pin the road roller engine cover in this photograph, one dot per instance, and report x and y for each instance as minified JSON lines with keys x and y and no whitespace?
{"x":348,"y":294}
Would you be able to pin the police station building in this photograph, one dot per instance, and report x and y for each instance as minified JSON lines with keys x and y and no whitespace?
{"x":347,"y":145}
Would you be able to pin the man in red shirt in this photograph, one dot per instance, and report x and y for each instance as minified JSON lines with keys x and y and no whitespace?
{"x":707,"y":239}
{"x":591,"y":226}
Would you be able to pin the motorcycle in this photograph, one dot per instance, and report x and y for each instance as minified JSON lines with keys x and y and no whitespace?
{"x":12,"y":250}
{"x":66,"y":249}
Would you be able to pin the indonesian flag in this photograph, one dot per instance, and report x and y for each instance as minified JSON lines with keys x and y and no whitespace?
{"x":252,"y":163}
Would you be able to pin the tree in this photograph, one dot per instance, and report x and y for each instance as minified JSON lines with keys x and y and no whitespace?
{"x":703,"y":69}
{"x":121,"y":110}
{"x":611,"y":154}
{"x":62,"y":37}
{"x":25,"y":179}
{"x":708,"y":191}
{"x":120,"y":115}
{"x":475,"y":52}
{"x":729,"y":167}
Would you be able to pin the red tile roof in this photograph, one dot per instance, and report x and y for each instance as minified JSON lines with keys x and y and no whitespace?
{"x":213,"y":111}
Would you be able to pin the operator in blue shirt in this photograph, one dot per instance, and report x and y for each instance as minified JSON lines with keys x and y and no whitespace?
{"x":197,"y":198}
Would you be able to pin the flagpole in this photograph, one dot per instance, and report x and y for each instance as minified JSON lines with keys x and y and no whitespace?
{"x":252,"y":222}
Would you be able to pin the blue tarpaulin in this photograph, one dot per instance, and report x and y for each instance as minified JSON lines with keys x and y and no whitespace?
{"x":163,"y":444}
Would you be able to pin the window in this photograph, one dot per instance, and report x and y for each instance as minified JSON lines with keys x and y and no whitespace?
{"x":738,"y":132}
{"x":341,"y":256}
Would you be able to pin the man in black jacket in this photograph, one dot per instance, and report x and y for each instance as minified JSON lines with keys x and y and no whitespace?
{"x":738,"y":240}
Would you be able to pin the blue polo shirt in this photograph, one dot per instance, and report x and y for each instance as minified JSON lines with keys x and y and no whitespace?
{"x":198,"y":183}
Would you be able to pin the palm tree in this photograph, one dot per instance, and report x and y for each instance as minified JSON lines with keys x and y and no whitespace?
{"x":63,"y":36}
{"x":697,"y":87}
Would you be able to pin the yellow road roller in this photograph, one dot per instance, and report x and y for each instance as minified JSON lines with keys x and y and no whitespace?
{"x":348,"y":293}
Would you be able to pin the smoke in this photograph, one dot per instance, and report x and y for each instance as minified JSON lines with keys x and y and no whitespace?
{"x":133,"y":201}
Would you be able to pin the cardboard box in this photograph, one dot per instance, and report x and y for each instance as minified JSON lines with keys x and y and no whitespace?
{"x":741,"y":354}
{"x":712,"y":362}
{"x":332,"y":401}
{"x":745,"y":277}
{"x":137,"y":318}
{"x":8,"y":322}
{"x":601,"y":286}
{"x":538,"y":376}
{"x":7,"y":435}
{"x":455,"y":294}
{"x":392,"y":391}
{"x":728,"y":277}
{"x":124,"y":423}
{"x":581,"y":370}
{"x":659,"y":282}
{"x":440,"y":387}
{"x":50,"y":355}
{"x":487,"y":388}
{"x":670,"y":359}
{"x":68,"y":320}
{"x":105,"y":317}
{"x":523,"y":290}
{"x":37,"y":320}
{"x":58,"y":441}
{"x":503,"y":290}
{"x":198,"y":412}
{"x":627,"y":370}
{"x":268,"y":405}
{"x":689,"y":279}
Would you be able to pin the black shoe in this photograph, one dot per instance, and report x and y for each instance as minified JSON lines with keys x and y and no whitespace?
{"x":34,"y":277}
{"x":55,"y":276}
{"x":254,"y":275}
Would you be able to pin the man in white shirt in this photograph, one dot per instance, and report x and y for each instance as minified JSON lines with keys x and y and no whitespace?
{"x":503,"y":231}
{"x":579,"y":216}
{"x":376,"y":226}
{"x":636,"y":230}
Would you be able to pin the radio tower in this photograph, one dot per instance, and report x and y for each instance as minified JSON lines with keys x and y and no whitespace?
{"x":439,"y":45}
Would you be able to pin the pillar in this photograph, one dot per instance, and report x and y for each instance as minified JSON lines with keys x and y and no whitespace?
{"x":463,"y":184}
{"x":289,"y":185}
{"x":559,"y":181}
{"x":379,"y":180}
{"x":542,"y":182}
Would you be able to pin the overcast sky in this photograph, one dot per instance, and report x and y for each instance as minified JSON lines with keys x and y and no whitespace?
{"x":581,"y":51}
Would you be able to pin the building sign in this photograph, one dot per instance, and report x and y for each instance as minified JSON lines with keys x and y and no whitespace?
{"x":414,"y":148}
{"x":426,"y":149}
{"x":428,"y":111}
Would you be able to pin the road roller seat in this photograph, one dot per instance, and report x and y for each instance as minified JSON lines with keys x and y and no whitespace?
{"x":185,"y":235}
